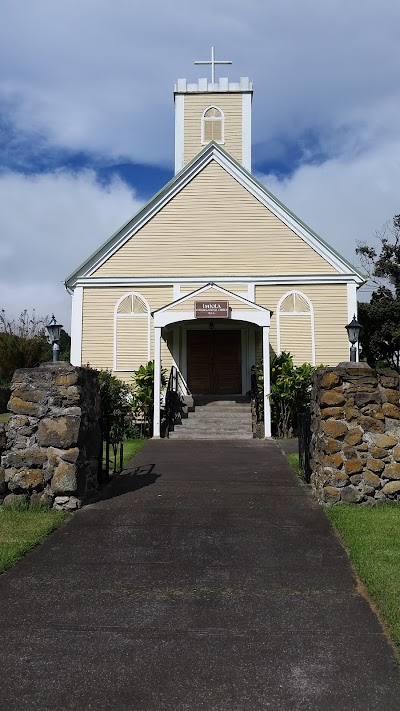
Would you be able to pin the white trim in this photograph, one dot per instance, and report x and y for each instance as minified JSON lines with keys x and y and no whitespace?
{"x":267,"y":384}
{"x":76,"y":326}
{"x":176,"y":291}
{"x":213,"y":118}
{"x":352,"y":309}
{"x":117,"y":316}
{"x":179,"y":131}
{"x":157,"y":382}
{"x":252,"y":347}
{"x":310,"y":314}
{"x":162,"y":319}
{"x":251,"y":291}
{"x":256,"y":279}
{"x":246,"y":131}
{"x":210,"y":153}
{"x":207,"y":287}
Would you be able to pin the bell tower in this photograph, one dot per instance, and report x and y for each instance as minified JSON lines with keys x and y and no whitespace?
{"x":216,"y":110}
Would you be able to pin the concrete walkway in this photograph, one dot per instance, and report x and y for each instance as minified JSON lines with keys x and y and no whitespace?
{"x":208,"y":580}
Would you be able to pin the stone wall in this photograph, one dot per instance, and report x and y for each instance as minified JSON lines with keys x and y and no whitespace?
{"x":53,"y":436}
{"x":355,"y":425}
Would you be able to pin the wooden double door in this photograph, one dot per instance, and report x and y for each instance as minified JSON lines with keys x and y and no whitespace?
{"x":214,"y":362}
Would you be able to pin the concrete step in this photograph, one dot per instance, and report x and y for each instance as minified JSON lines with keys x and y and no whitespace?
{"x":190,"y":425}
{"x":203,"y":435}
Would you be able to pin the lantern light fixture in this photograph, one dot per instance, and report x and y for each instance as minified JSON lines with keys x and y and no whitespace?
{"x":353,"y":331}
{"x":54,"y":331}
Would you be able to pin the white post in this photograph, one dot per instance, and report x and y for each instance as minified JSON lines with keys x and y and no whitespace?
{"x":267,"y":385}
{"x":157,"y":380}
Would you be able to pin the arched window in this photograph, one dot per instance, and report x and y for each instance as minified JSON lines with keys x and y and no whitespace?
{"x":131,"y":332}
{"x":295,"y":327}
{"x":212,"y":125}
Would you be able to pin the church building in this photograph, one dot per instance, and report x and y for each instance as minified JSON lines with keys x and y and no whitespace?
{"x":214,"y":274}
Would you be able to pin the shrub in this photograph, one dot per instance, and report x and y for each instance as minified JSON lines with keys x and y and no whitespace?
{"x":143,"y":394}
{"x":290,"y":392}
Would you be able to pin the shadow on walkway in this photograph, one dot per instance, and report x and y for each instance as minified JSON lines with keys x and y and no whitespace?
{"x":129,"y":480}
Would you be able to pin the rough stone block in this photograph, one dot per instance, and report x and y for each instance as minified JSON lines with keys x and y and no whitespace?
{"x":333,"y":460}
{"x":334,"y":428}
{"x":365,"y":398}
{"x":350,"y":495}
{"x":354,"y":436}
{"x":371,"y":424}
{"x":391,"y":411}
{"x":330,"y":380}
{"x":19,"y":406}
{"x":29,"y":457}
{"x":3,"y":483}
{"x":61,"y":432}
{"x":389,"y":395}
{"x":384,"y":441}
{"x":67,"y":379}
{"x":332,"y":398}
{"x":353,"y":466}
{"x":392,"y":471}
{"x":330,"y":445}
{"x":64,"y":480}
{"x":24,"y":478}
{"x":331,"y":494}
{"x":371,"y":479}
{"x":336,"y":413}
{"x":391,"y":488}
{"x":375,"y":465}
{"x":396,"y":453}
{"x":338,"y":479}
{"x":15,"y":500}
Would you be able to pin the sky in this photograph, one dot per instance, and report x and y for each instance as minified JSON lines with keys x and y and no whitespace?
{"x":87,"y":119}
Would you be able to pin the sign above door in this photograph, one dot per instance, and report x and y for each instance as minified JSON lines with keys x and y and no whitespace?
{"x":211,"y":309}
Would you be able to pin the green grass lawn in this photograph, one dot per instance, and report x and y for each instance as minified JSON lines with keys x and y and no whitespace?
{"x":22,"y":530}
{"x":372,"y":538}
{"x":4,"y":416}
{"x":293,"y":460}
{"x":131,"y":446}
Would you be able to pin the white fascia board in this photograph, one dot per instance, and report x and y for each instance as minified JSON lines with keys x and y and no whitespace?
{"x":258,"y":280}
{"x":246,"y":131}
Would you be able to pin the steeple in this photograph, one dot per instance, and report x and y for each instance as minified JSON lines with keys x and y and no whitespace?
{"x":217,"y":110}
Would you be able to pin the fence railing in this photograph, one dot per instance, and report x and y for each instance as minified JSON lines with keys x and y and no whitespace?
{"x":256,"y":395}
{"x":304,"y":435}
{"x":111,"y":455}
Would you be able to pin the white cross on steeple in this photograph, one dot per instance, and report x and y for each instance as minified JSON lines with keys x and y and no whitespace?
{"x":213,"y":63}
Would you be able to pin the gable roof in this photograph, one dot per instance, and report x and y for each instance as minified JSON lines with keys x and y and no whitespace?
{"x":212,"y":152}
{"x":207,"y":287}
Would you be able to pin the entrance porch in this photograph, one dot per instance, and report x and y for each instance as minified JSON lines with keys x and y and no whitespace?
{"x":212,"y":355}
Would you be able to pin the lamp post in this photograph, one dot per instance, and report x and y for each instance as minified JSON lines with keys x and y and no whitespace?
{"x":353,"y":331}
{"x":54,"y":331}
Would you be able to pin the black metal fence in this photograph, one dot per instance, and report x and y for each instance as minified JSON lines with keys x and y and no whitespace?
{"x":256,"y":395}
{"x":304,"y":424}
{"x":111,"y":457}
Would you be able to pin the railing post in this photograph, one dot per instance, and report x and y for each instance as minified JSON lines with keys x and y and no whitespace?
{"x":267,"y":386}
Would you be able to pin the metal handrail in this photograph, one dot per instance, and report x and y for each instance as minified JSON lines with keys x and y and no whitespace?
{"x":173,"y":398}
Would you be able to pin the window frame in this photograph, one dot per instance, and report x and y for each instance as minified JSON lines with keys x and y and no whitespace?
{"x":221,"y":118}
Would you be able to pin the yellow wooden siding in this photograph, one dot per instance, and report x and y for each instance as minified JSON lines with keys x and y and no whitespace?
{"x":330,"y":313}
{"x":210,"y":295}
{"x":132,"y":342}
{"x":230,"y":105}
{"x":98,"y":321}
{"x":214,"y":227}
{"x":240,"y":289}
{"x":296,"y":338}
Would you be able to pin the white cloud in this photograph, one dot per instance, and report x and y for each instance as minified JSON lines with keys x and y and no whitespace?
{"x":345,"y":200}
{"x":50,"y":223}
{"x":97,"y":76}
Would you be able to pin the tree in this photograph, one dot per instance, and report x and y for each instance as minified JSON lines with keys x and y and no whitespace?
{"x":380,"y":318}
{"x":24,"y":344}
